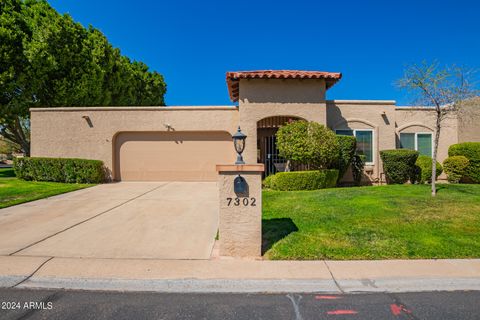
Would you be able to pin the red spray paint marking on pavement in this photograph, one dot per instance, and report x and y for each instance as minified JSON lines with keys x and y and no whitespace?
{"x":336,"y":312}
{"x":398,"y":309}
{"x":327,"y":297}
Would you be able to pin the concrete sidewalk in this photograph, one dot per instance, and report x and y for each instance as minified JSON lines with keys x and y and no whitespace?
{"x":228,"y":275}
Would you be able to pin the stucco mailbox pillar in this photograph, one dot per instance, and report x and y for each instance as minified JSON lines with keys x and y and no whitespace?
{"x":240,"y":196}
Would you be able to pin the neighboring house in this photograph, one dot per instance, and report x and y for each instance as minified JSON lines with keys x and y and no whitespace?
{"x":185,"y":143}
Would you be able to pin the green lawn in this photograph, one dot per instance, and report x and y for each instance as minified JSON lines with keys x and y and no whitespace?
{"x":382,"y":222}
{"x":14,"y":191}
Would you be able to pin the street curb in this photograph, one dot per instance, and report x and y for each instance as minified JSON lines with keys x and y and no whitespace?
{"x":184,"y":285}
{"x":256,"y":286}
{"x":409,"y":284}
{"x":10,"y":281}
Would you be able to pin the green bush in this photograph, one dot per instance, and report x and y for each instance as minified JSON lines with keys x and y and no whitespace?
{"x":304,"y":180}
{"x":308,"y":143}
{"x":398,"y":165}
{"x":59,"y":170}
{"x":268,"y":182}
{"x":358,"y":163}
{"x":471,"y":151}
{"x":347,"y":146}
{"x":423,"y":170}
{"x":455,"y":168}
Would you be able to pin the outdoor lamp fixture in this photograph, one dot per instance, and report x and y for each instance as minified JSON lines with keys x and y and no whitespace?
{"x":239,"y":143}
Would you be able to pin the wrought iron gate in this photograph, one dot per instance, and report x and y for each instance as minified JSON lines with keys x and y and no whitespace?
{"x":271,"y":158}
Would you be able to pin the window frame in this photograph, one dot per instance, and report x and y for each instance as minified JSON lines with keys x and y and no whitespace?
{"x":416,"y":139}
{"x":372,"y":163}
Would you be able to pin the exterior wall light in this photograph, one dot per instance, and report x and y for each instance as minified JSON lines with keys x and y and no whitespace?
{"x":239,"y":143}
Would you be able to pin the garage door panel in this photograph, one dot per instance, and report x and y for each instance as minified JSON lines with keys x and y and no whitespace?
{"x":171,"y":156}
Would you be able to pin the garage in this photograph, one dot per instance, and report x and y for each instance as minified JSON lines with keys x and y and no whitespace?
{"x":172,"y":155}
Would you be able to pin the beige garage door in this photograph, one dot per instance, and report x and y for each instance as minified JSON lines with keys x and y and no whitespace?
{"x":171,"y":156}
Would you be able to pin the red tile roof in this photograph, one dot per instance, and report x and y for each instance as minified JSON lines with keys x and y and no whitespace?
{"x":233,"y":78}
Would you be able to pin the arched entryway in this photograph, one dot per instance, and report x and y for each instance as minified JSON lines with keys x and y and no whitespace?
{"x":267,"y":151}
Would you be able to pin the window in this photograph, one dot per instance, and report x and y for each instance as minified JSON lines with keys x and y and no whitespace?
{"x":422,"y":142}
{"x":364,"y":141}
{"x":344,"y":132}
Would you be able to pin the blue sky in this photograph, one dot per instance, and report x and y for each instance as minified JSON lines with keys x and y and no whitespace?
{"x":193,"y":43}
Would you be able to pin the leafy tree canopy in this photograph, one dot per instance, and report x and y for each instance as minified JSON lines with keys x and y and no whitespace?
{"x":49,"y":60}
{"x":309,"y":143}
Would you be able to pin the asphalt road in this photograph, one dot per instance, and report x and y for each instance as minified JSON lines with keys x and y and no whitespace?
{"x":61,"y":304}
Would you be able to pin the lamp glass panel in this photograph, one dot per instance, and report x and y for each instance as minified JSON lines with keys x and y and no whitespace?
{"x":239,"y":145}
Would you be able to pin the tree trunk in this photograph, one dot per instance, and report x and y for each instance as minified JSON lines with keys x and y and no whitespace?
{"x":14,"y":132}
{"x":434,"y":151}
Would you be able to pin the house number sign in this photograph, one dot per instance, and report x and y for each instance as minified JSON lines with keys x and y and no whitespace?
{"x":246,"y":202}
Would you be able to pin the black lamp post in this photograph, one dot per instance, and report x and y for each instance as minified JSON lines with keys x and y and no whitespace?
{"x":239,"y":143}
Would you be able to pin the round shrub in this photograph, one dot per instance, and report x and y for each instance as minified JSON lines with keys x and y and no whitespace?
{"x":472,"y":173}
{"x":423,"y":172}
{"x":268,"y":182}
{"x":304,"y":180}
{"x":471,"y":151}
{"x":308,"y":143}
{"x":398,"y":165}
{"x":455,"y":168}
{"x":347,"y":146}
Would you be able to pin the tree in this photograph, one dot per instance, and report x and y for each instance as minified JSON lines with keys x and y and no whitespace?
{"x":48,"y":60}
{"x":446,"y":89}
{"x":308,"y":143}
{"x":14,"y":95}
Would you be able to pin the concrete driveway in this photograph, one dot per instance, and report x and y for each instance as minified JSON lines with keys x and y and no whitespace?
{"x":157,"y":220}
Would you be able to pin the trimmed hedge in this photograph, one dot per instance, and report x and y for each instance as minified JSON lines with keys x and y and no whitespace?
{"x":348,"y":145}
{"x":268,"y":182}
{"x":303,"y":180}
{"x":399,"y":165}
{"x":423,"y":170}
{"x":59,"y":170}
{"x":455,"y":168}
{"x":471,"y":151}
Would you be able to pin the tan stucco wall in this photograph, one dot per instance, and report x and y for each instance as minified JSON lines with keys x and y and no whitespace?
{"x":414,"y":120}
{"x":387,"y":121}
{"x":63,"y":132}
{"x":469,"y":121}
{"x":260,"y":98}
{"x":271,"y":91}
{"x":364,"y":114}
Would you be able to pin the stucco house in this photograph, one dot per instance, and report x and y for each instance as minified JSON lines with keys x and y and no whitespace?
{"x":185,"y":143}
